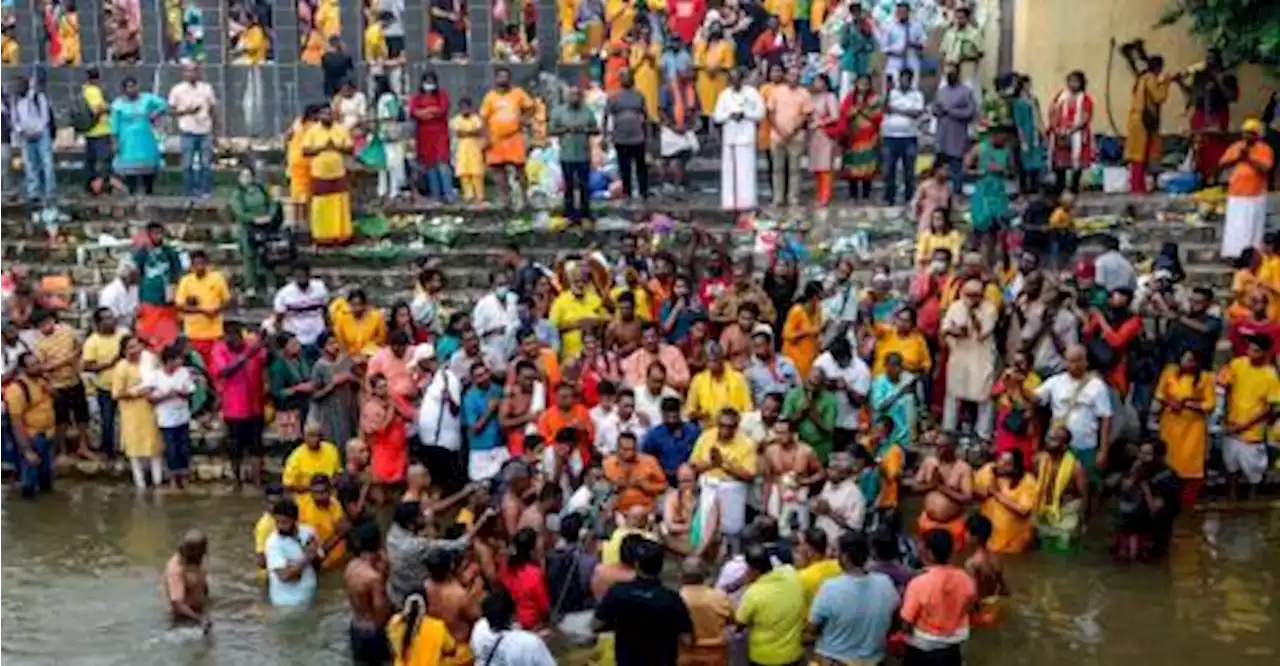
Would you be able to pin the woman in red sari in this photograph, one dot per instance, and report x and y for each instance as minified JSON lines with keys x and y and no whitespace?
{"x":1071,"y":131}
{"x":430,"y":111}
{"x":382,"y":422}
{"x":861,"y":113}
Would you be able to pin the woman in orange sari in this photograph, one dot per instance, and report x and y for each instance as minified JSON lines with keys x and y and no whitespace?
{"x":382,"y":422}
{"x":861,"y":112}
{"x":802,"y":332}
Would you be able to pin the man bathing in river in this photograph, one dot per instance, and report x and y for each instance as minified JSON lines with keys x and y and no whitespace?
{"x":1062,"y":492}
{"x":366,"y":585}
{"x":186,"y":584}
{"x":948,"y":483}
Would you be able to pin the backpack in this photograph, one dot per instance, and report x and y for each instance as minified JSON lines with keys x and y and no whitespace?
{"x":82,"y":117}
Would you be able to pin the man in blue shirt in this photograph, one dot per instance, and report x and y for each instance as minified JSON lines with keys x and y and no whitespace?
{"x":291,"y":552}
{"x":769,"y":371}
{"x":672,"y":442}
{"x":480,"y":418}
{"x":852,"y":613}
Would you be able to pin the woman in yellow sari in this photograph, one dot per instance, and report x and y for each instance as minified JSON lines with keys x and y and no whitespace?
{"x":417,"y":639}
{"x":802,"y":332}
{"x":299,"y":166}
{"x":360,"y":328}
{"x":643,"y":61}
{"x":69,"y":36}
{"x":1185,"y":396}
{"x":326,"y":145}
{"x":1247,"y":281}
{"x":713,"y":57}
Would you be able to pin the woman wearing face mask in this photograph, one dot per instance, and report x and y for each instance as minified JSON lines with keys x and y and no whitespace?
{"x":430,"y":111}
{"x":258,"y":218}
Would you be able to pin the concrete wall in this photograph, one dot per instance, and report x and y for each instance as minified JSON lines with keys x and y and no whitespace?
{"x":1053,"y":37}
{"x":283,"y":87}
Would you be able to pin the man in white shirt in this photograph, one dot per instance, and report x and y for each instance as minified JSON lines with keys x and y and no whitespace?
{"x":900,"y":130}
{"x":850,"y":379}
{"x":902,"y":40}
{"x":622,"y":419}
{"x":171,"y":390}
{"x":649,"y":395}
{"x":739,"y":111}
{"x":120,"y":296}
{"x":840,"y":507}
{"x":1082,"y":401}
{"x":193,"y":102}
{"x":495,"y":319}
{"x":300,"y":306}
{"x":440,"y":415}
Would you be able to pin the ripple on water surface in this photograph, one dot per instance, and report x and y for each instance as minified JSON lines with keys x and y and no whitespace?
{"x":81,"y":581}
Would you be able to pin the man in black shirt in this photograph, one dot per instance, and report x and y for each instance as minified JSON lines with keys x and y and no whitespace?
{"x":648,"y":618}
{"x":337,"y":67}
{"x":1195,"y":329}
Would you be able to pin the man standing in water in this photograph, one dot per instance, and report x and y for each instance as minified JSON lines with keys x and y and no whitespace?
{"x":186,"y":584}
{"x":366,"y":587}
{"x":948,"y":482}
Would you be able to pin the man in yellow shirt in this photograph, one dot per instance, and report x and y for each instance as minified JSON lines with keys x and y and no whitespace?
{"x":31,"y":416}
{"x":58,"y":351}
{"x":97,"y":139}
{"x":98,"y":358}
{"x":715,"y":389}
{"x":1253,"y":395}
{"x":573,"y":311}
{"x":265,"y":526}
{"x":201,"y":296}
{"x":729,"y":461}
{"x":313,"y":457}
{"x":813,"y":557}
{"x":323,"y":514}
{"x":773,"y":611}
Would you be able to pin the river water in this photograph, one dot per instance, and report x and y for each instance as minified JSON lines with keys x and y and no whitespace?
{"x":80,"y":586}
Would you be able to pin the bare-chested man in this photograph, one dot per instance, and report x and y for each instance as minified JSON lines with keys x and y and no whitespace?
{"x":366,"y":584}
{"x":947,"y":482}
{"x":356,"y":475}
{"x":1062,"y":491}
{"x":185,"y":582}
{"x":608,"y":575}
{"x":790,"y":469}
{"x":452,"y":602}
{"x":516,"y":498}
{"x":685,"y":531}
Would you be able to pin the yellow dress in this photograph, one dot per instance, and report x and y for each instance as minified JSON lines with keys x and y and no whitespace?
{"x":330,"y":193}
{"x":299,"y":165}
{"x":801,"y":352}
{"x":69,"y":35}
{"x":644,"y":67}
{"x":1185,"y":431}
{"x":10,"y":51}
{"x":706,"y":56}
{"x":1142,"y":145}
{"x":620,"y":15}
{"x":430,"y":642}
{"x":327,"y":20}
{"x":138,"y":430}
{"x":312,"y":48}
{"x":468,"y":156}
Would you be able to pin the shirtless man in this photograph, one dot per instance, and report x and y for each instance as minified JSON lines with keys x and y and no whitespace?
{"x":452,"y":602}
{"x":607,"y":575}
{"x":623,"y":334}
{"x":186,"y":585}
{"x":535,"y":515}
{"x":366,"y":584}
{"x":356,"y":475}
{"x":790,"y":469}
{"x":1062,"y":492}
{"x":947,"y":482}
{"x":678,"y":513}
{"x":513,"y":502}
{"x":986,"y":570}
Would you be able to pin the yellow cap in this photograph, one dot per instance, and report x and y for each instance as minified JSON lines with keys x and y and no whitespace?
{"x":1251,"y":126}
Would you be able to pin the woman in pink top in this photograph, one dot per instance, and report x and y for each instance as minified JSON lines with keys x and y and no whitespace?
{"x":933,"y":194}
{"x":238,"y":368}
{"x":382,"y":422}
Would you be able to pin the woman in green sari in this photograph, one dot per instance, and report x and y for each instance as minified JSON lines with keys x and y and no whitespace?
{"x":861,"y":113}
{"x":257,"y":215}
{"x":992,"y":159}
{"x":289,"y":376}
{"x":1033,"y":156}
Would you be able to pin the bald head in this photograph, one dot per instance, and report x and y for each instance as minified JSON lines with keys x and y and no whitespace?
{"x":637,"y":517}
{"x":193,"y":546}
{"x":1077,"y":360}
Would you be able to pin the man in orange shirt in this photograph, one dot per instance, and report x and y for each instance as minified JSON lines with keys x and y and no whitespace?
{"x":937,"y":604}
{"x":505,"y":110}
{"x":569,"y":412}
{"x":542,"y":357}
{"x":1248,"y":163}
{"x":790,"y":106}
{"x":637,"y":477}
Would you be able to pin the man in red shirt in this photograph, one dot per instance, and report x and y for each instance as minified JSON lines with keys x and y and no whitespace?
{"x":937,"y":604}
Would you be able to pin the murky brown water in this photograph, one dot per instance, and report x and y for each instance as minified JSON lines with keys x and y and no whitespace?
{"x":80,"y":587}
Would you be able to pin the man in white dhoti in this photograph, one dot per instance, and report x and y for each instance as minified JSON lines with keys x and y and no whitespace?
{"x":1248,"y":163}
{"x":728,"y":461}
{"x":739,"y":110}
{"x":968,"y":329}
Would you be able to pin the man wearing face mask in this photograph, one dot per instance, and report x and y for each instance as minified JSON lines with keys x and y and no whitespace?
{"x":430,"y":111}
{"x":496,"y":318}
{"x":574,"y":124}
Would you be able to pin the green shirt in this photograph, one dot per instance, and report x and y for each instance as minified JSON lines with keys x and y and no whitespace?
{"x":158,"y":267}
{"x":773,"y":608}
{"x":795,"y":405}
{"x":574,"y":127}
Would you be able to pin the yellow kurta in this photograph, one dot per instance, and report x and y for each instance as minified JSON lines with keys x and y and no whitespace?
{"x":1185,"y":431}
{"x":644,"y":67}
{"x":1141,"y":145}
{"x":254,"y":46}
{"x":620,"y":15}
{"x":363,"y":336}
{"x":69,"y":34}
{"x":468,"y":157}
{"x":817,"y":15}
{"x":299,"y":166}
{"x":139,"y":433}
{"x":1010,"y":532}
{"x":330,"y":196}
{"x":803,"y":351}
{"x":718,"y":56}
